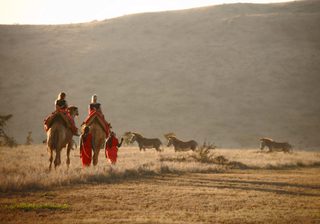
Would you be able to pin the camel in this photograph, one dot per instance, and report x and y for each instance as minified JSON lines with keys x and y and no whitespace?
{"x":60,"y":136}
{"x":97,"y":129}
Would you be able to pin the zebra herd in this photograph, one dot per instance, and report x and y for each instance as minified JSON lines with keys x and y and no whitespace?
{"x":180,"y":145}
{"x":144,"y":143}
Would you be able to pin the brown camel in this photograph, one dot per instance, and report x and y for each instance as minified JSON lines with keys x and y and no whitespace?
{"x":97,"y":129}
{"x":60,"y":135}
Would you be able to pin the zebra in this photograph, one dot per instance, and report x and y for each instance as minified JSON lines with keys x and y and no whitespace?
{"x":272,"y":145}
{"x":146,"y":142}
{"x":181,"y":145}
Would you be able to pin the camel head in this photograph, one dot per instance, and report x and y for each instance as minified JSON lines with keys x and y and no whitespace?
{"x":73,"y":110}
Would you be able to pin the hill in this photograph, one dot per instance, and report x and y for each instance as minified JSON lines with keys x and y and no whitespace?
{"x":229,"y":73}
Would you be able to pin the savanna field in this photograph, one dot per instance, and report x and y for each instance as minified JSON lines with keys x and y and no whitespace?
{"x":231,"y":73}
{"x":224,"y":186}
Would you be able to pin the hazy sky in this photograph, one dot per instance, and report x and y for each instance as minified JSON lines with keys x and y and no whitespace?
{"x":75,"y":11}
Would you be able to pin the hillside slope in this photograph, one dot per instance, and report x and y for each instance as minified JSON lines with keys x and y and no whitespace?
{"x":229,"y":73}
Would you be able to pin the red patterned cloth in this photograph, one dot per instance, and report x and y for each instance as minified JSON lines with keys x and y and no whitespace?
{"x":86,"y":150}
{"x":112,"y":149}
{"x":65,"y":116}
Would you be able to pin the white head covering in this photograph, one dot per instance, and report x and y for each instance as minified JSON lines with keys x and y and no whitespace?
{"x":93,"y":97}
{"x":60,"y":95}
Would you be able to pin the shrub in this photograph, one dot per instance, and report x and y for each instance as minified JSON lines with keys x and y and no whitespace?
{"x":203,"y":154}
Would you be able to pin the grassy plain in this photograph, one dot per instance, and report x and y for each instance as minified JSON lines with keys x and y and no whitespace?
{"x":151,"y":187}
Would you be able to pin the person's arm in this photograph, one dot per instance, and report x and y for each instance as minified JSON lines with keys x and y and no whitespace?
{"x":106,"y":145}
{"x":100,"y":109}
{"x":89,"y":109}
{"x":119,"y":145}
{"x":80,"y":145}
{"x":56,"y":104}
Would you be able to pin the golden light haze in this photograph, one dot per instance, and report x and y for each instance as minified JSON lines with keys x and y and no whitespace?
{"x":74,"y":11}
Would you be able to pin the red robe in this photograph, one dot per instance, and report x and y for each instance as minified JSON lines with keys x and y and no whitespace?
{"x":112,"y":149}
{"x":86,"y":150}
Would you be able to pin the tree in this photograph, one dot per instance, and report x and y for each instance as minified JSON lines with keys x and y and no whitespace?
{"x":5,"y":140}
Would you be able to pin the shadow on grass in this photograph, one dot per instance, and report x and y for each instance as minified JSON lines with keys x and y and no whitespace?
{"x":275,"y":184}
{"x":112,"y":176}
{"x":242,"y":166}
{"x":144,"y":171}
{"x":262,"y":186}
{"x":269,"y":190}
{"x":36,"y":207}
{"x":221,"y":160}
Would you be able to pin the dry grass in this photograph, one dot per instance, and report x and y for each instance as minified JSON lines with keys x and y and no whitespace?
{"x":190,"y":192}
{"x":26,"y":167}
{"x":36,"y":207}
{"x":238,"y":196}
{"x":256,"y":159}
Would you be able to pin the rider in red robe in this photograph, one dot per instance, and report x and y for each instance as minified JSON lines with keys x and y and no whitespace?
{"x":61,"y":103}
{"x":111,"y":150}
{"x":86,"y":147}
{"x":95,"y":108}
{"x":62,"y":106}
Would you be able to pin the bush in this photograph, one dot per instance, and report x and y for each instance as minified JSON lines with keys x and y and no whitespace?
{"x":203,"y":154}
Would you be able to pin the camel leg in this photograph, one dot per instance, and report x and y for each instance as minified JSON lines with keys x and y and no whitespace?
{"x":50,"y":158}
{"x":57,"y":160}
{"x":95,"y":157}
{"x":68,"y":154}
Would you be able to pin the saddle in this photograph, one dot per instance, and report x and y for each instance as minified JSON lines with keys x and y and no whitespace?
{"x":96,"y":116}
{"x":52,"y":117}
